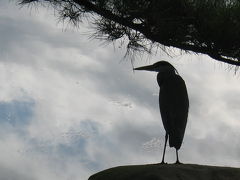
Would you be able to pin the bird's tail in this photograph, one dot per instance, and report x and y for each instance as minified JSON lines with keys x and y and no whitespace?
{"x":175,"y":140}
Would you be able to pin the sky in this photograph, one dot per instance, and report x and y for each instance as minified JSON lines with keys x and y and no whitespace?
{"x":71,"y":106}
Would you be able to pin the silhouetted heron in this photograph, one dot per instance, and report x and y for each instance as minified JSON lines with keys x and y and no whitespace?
{"x":173,"y":103}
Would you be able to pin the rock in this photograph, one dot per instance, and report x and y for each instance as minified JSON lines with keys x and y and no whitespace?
{"x":168,"y":172}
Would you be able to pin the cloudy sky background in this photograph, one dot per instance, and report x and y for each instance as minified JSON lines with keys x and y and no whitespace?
{"x":70,"y":107}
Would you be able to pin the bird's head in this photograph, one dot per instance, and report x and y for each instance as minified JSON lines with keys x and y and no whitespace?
{"x":160,"y":66}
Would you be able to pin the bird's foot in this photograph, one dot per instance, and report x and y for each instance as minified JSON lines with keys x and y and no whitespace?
{"x":178,"y":162}
{"x":163,"y":163}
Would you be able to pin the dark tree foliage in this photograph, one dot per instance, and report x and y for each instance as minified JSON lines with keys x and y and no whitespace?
{"x":209,"y":27}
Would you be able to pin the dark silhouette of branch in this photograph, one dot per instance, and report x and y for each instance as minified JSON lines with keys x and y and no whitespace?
{"x":206,"y":27}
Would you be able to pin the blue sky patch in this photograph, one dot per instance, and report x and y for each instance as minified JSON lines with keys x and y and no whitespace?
{"x":16,"y":113}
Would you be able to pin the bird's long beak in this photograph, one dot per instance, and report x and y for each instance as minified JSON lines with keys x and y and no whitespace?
{"x":146,"y":68}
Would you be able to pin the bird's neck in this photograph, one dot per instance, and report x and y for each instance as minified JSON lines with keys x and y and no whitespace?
{"x":163,"y":76}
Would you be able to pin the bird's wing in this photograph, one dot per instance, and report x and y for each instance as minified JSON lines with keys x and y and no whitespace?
{"x":174,"y":106}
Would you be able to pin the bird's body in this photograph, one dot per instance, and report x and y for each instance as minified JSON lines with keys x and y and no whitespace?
{"x":173,"y":103}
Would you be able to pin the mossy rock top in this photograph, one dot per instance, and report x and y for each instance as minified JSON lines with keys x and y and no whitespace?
{"x":168,"y":172}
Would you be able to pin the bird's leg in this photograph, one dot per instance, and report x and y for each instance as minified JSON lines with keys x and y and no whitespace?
{"x":166,"y":138}
{"x":177,"y":162}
